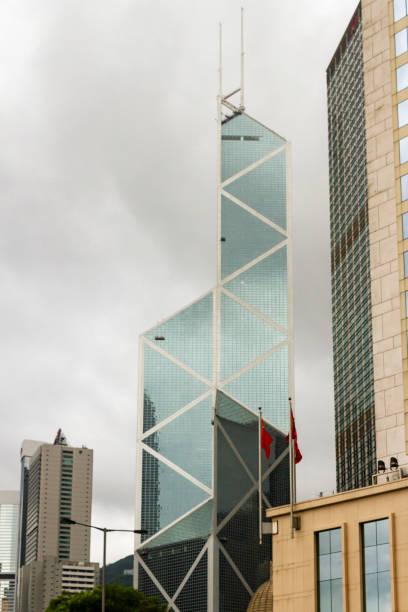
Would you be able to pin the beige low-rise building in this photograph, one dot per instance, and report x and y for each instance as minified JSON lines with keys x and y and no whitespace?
{"x":348,"y":553}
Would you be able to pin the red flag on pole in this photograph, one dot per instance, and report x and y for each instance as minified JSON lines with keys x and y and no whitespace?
{"x":266,"y":440}
{"x":298,"y":454}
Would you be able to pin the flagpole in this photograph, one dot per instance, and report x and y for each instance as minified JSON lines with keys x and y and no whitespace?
{"x":291,"y":463}
{"x":260,"y":473}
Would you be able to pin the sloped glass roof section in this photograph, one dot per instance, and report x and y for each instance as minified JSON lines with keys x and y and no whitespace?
{"x":245,"y":141}
{"x":188,"y":336}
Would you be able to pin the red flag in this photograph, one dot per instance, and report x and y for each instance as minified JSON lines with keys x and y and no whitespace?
{"x":298,"y":454}
{"x":266,"y":440}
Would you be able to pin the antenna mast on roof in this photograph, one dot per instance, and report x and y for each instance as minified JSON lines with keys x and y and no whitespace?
{"x":242,"y":106}
{"x":225,"y":99}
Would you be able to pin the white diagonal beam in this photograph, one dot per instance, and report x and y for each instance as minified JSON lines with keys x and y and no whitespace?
{"x":176,"y":468}
{"x":190,"y":571}
{"x":275,"y":349}
{"x":155,"y":581}
{"x":168,"y":527}
{"x":235,"y":450}
{"x":254,"y":212}
{"x":236,"y":570}
{"x":175,"y":415}
{"x":254,"y":311}
{"x":177,"y":361}
{"x":252,"y":490}
{"x":238,"y":175}
{"x":253,"y":262}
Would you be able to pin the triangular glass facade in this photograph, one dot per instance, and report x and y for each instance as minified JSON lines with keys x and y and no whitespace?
{"x":205,"y":371}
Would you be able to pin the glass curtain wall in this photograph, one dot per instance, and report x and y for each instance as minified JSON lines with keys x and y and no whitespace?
{"x":350,"y":268}
{"x":204,"y":373}
{"x":376,"y":561}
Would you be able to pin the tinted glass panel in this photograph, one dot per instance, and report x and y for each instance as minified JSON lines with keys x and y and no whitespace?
{"x":189,"y":336}
{"x":376,"y":566}
{"x":264,"y":189}
{"x":244,"y":336}
{"x":400,"y":9}
{"x":264,"y":287}
{"x":245,"y":237}
{"x":403,"y":145}
{"x":401,"y":42}
{"x":404,"y":187}
{"x":405,"y":225}
{"x":239,"y":154}
{"x":168,"y":387}
{"x":186,"y":441}
{"x":402,"y":77}
{"x":330,"y":570}
{"x":403,"y":113}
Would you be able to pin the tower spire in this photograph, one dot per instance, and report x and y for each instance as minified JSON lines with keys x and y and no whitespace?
{"x":242,"y":105}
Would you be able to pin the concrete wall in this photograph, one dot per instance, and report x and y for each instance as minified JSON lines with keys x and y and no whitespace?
{"x":384,"y":228}
{"x":295,"y":560}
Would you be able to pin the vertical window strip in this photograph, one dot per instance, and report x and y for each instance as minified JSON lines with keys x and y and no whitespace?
{"x":330,"y":570}
{"x":400,"y":9}
{"x":401,"y":42}
{"x":376,"y":563}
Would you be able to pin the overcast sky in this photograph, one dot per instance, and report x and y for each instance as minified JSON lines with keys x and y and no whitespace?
{"x":107,"y":210}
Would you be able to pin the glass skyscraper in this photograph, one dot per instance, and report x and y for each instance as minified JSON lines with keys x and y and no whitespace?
{"x":204,"y":372}
{"x":8,"y":549}
{"x":350,"y":264}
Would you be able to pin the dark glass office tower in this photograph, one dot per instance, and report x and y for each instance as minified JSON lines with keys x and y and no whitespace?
{"x":204,"y":373}
{"x":350,"y":263}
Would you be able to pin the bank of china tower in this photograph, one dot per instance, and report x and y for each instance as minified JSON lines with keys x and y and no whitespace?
{"x":204,"y":372}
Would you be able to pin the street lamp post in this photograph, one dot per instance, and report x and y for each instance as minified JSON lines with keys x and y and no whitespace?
{"x":67,"y":521}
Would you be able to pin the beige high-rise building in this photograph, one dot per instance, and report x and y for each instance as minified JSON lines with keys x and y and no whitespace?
{"x":367,"y":82}
{"x":57,"y":484}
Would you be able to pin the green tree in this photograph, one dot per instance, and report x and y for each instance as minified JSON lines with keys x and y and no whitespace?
{"x":118,"y":599}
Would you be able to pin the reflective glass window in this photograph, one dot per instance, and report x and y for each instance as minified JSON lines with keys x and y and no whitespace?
{"x":402,"y":77}
{"x":406,"y":303}
{"x":403,"y":113}
{"x":376,"y":562}
{"x":400,"y":9}
{"x":401,"y":42}
{"x":403,"y":146}
{"x":405,"y":264}
{"x":405,"y":225}
{"x":330,"y":570}
{"x":404,"y":187}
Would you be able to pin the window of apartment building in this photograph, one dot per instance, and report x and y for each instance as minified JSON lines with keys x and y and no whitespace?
{"x":402,"y":77}
{"x":401,"y":42}
{"x":403,"y":113}
{"x":403,"y":147}
{"x":404,"y":187}
{"x":376,"y":561}
{"x":400,"y":9}
{"x":330,"y":571}
{"x":405,"y":225}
